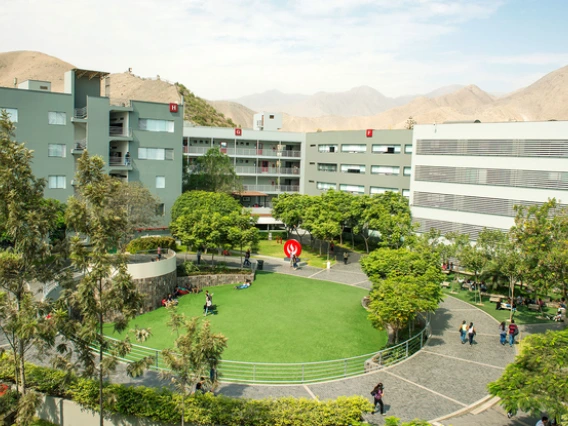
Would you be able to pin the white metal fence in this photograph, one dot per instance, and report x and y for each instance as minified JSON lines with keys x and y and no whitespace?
{"x":306,"y":372}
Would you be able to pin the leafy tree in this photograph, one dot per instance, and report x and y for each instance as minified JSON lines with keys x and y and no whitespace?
{"x":26,"y":220}
{"x":341,"y":204}
{"x":541,"y":232}
{"x":195,"y":353}
{"x":205,"y":202}
{"x":242,"y":231}
{"x":323,"y":220}
{"x":212,"y":172}
{"x":106,"y":291}
{"x":139,"y":204}
{"x":383,"y":263}
{"x":395,"y":224}
{"x":537,"y":380}
{"x":409,"y":124}
{"x":291,"y":209}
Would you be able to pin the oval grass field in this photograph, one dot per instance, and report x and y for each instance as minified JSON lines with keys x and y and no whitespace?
{"x":280,"y":318}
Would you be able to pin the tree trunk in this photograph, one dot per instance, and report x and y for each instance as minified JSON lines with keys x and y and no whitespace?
{"x":352,"y":239}
{"x":101,"y":353}
{"x":183,"y":408}
{"x":366,"y":244}
{"x":512,"y":292}
{"x":341,"y":235}
{"x":22,"y":367}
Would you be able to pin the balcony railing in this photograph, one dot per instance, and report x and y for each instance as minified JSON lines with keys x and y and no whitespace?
{"x":244,"y":152}
{"x":80,"y":145}
{"x":272,"y":188}
{"x":260,"y":170}
{"x":119,"y":131}
{"x":80,"y":113}
{"x":113,"y":161}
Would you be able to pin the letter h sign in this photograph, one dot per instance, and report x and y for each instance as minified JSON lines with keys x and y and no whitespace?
{"x":173,"y":107}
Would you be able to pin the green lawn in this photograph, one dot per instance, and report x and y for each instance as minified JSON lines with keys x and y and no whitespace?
{"x":280,"y":318}
{"x":312,"y":257}
{"x":522,"y":316}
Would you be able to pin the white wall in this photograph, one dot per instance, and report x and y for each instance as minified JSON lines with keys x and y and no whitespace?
{"x":153,"y":269}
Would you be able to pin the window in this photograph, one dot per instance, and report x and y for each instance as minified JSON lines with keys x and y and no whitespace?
{"x":56,"y":182}
{"x":408,"y":149}
{"x":326,"y":185}
{"x":151,"y":125}
{"x":327,"y":167}
{"x":58,"y":118}
{"x":406,"y":170}
{"x":354,"y":189}
{"x":406,"y":193}
{"x":160,"y":182}
{"x":56,"y":150}
{"x":155,"y":154}
{"x":352,"y":168}
{"x":385,"y":149}
{"x":380,"y":190}
{"x":354,"y":149}
{"x":161,"y":209}
{"x":271,"y":117}
{"x":385,"y":170}
{"x":328,"y":148}
{"x":12,"y":114}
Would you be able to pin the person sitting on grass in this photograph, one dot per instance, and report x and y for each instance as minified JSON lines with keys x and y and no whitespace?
{"x":180,"y":291}
{"x":171,"y":301}
{"x":247,"y":284}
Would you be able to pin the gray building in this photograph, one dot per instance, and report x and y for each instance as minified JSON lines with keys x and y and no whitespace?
{"x":60,"y":126}
{"x":359,"y":162}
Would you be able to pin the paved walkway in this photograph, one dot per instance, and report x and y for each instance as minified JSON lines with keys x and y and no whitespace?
{"x":443,"y":378}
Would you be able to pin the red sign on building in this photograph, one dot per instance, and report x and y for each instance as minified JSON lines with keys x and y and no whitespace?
{"x":173,"y":107}
{"x":291,"y":248}
{"x":369,"y":133}
{"x":238,"y":132}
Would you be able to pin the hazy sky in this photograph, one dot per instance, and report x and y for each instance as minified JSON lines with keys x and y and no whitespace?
{"x":223,"y":49}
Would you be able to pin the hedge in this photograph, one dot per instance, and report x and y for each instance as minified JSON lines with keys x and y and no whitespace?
{"x":263,"y":235}
{"x":162,"y":405}
{"x":150,"y":243}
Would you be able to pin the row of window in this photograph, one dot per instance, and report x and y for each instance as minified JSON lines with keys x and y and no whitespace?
{"x":362,"y":169}
{"x":60,"y":182}
{"x":60,"y":118}
{"x":358,"y":189}
{"x":362,"y":148}
{"x":59,"y":150}
{"x":493,"y":147}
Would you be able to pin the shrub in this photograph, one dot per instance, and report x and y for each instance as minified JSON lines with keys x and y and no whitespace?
{"x":263,"y":235}
{"x":150,"y":243}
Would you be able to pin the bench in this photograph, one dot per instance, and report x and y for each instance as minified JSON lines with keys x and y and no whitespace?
{"x":494,"y":299}
{"x":445,"y":284}
{"x":534,"y":307}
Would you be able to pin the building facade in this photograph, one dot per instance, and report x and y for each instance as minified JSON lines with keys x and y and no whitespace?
{"x":60,"y":126}
{"x":466,"y":177}
{"x":360,"y":162}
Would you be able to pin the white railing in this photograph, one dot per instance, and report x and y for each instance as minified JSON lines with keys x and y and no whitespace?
{"x":119,"y":131}
{"x":306,"y":372}
{"x":272,"y":188}
{"x":260,"y":170}
{"x":80,"y":113}
{"x":249,"y":152}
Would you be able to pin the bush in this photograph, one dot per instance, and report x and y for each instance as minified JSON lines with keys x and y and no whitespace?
{"x":150,"y":243}
{"x":263,"y":235}
{"x":187,"y":269}
{"x":162,"y":405}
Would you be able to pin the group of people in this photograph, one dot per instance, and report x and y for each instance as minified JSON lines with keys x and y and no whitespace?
{"x":172,"y":298}
{"x":512,"y":331}
{"x":294,"y":262}
{"x":467,"y":332}
{"x":208,"y":307}
{"x":246,"y":284}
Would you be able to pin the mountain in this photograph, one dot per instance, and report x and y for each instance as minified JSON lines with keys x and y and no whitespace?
{"x":27,"y":65}
{"x":265,"y":101}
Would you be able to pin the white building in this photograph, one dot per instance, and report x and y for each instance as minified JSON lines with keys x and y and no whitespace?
{"x":469,"y":176}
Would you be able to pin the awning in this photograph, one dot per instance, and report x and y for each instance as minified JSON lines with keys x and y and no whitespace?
{"x":250,"y":194}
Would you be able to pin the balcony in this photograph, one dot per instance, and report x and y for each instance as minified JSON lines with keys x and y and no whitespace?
{"x":244,"y":152}
{"x":272,"y":188}
{"x":119,"y":132}
{"x":260,"y":170}
{"x":120,"y":163}
{"x":79,"y":146}
{"x":79,"y":114}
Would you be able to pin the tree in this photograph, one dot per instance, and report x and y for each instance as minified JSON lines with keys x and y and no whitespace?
{"x":242,"y":231}
{"x":291,"y":209}
{"x":26,"y":220}
{"x":212,"y":172}
{"x":106,"y":291}
{"x":395,"y":224}
{"x":409,"y":124}
{"x":140,"y":206}
{"x":195,"y":354}
{"x":322,"y":220}
{"x":405,"y":282}
{"x":536,"y":381}
{"x":341,"y":204}
{"x":206,"y":202}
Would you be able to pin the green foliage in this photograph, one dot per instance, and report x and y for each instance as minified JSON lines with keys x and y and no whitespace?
{"x":212,"y":172}
{"x":201,"y":113}
{"x":162,"y":405}
{"x":150,"y":243}
{"x":263,"y":235}
{"x":394,"y":421}
{"x":204,"y":203}
{"x":383,"y":263}
{"x":9,"y":402}
{"x":537,"y":381}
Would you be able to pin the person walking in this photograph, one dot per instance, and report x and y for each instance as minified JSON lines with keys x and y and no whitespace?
{"x":378,"y":392}
{"x":208,"y":303}
{"x":294,"y":262}
{"x":471,"y":333}
{"x":127,"y":158}
{"x":345,"y":257}
{"x":159,"y":253}
{"x":542,"y":422}
{"x":463,"y":332}
{"x":513,"y":331}
{"x":503,"y":333}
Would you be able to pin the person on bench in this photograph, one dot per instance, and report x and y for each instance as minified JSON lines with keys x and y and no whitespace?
{"x":247,"y":284}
